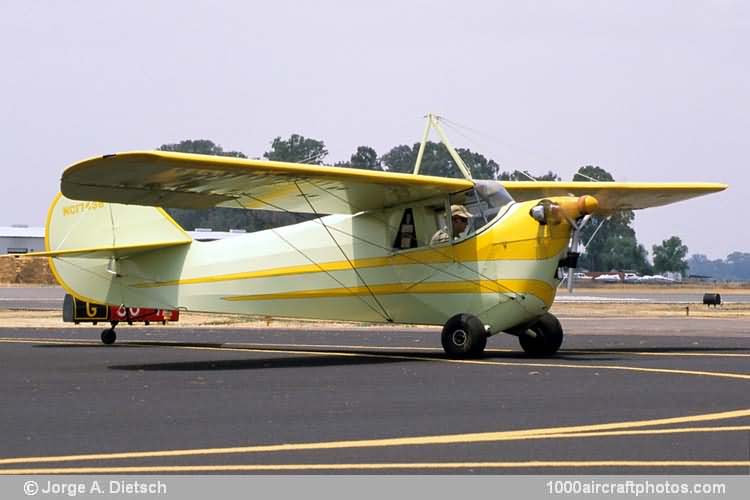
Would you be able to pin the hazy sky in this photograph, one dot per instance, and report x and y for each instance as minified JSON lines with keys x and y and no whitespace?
{"x":649,"y":90}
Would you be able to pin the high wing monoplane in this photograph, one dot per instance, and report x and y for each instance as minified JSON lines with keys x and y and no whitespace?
{"x":369,"y":254}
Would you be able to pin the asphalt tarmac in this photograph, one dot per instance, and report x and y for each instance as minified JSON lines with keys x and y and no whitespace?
{"x":31,"y":297}
{"x":51,"y":297}
{"x":640,"y":396}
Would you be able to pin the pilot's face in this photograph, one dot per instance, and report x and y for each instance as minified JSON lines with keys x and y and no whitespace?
{"x":459,"y":225}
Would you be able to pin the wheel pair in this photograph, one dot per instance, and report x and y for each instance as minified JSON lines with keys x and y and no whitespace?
{"x":464,"y":336}
{"x":542,"y":338}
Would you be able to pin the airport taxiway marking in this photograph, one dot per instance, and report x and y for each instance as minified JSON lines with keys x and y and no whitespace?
{"x":535,"y":464}
{"x":253,"y":345}
{"x":578,"y":431}
{"x":591,"y":430}
{"x":266,"y":349}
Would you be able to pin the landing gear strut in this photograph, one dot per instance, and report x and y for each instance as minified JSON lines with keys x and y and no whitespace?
{"x":464,"y":336}
{"x":542,"y":338}
{"x":108,"y":335}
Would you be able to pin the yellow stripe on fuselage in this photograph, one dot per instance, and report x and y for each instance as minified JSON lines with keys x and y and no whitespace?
{"x":502,"y":241}
{"x":540,"y":289}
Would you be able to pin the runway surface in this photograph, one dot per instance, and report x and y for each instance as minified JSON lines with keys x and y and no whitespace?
{"x":646,"y":296}
{"x":31,"y":298}
{"x":51,"y":297}
{"x":667,"y":396}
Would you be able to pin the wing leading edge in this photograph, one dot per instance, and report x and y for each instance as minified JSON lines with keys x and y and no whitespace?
{"x":181,"y":180}
{"x":614,"y":196}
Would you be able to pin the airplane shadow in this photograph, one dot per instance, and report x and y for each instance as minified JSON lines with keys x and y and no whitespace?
{"x":364,"y":356}
{"x":258,"y":364}
{"x":123,"y":345}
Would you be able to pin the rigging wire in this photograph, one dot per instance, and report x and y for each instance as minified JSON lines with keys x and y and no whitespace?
{"x":436,"y":250}
{"x":107,"y":278}
{"x":508,"y":290}
{"x":586,"y":176}
{"x":313,"y":157}
{"x":457,"y":128}
{"x":316,"y":264}
{"x":374,"y":297}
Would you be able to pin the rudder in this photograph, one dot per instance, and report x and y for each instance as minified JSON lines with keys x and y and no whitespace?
{"x":85,"y":239}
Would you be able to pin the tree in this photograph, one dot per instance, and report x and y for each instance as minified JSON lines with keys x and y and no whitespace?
{"x":670,"y":256}
{"x":297,"y":149}
{"x":736,"y":267}
{"x":201,"y":147}
{"x":366,"y":158}
{"x":701,"y":265}
{"x":437,"y":161}
{"x":517,"y":175}
{"x":400,"y":159}
{"x":479,"y":166}
{"x":613,"y":228}
{"x":623,"y":253}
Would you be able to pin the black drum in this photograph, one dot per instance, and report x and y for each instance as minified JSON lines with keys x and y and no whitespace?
{"x":712,"y":299}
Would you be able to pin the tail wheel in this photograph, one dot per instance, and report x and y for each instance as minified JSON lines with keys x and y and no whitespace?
{"x":464,"y":336}
{"x":542,"y":338}
{"x":109,"y":336}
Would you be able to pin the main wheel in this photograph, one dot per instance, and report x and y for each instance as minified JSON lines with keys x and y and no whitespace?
{"x":463,"y":336}
{"x":542,"y":338}
{"x":109,"y":336}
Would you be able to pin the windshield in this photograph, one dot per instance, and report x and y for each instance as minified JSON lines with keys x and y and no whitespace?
{"x":484,"y":201}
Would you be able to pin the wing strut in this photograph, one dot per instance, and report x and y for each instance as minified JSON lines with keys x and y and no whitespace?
{"x":433,"y":121}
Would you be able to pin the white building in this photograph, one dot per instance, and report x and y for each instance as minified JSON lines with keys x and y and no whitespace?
{"x":21,"y":239}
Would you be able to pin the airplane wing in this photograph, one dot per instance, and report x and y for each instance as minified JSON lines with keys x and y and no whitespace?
{"x":613,"y":196}
{"x":165,"y":179}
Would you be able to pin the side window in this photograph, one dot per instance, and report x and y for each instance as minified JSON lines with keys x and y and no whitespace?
{"x":406,"y":236}
{"x":418,"y":225}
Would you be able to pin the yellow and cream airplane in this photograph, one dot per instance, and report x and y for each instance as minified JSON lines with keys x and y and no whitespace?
{"x":370,"y":256}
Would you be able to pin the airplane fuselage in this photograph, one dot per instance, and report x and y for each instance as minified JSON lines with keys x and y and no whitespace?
{"x":341,"y":267}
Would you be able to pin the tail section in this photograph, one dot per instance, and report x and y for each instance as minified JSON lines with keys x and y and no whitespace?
{"x":85,"y":227}
{"x":88,"y":242}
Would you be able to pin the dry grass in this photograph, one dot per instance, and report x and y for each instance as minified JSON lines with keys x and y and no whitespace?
{"x":20,"y":269}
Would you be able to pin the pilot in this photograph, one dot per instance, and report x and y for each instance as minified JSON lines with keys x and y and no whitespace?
{"x":460,"y":220}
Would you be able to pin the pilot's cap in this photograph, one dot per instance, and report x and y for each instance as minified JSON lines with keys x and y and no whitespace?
{"x":460,"y":210}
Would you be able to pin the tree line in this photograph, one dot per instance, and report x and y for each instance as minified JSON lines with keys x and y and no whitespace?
{"x":736,"y":266}
{"x":611,"y":243}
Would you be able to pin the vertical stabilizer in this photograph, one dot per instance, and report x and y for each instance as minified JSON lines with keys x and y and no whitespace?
{"x":88,"y":241}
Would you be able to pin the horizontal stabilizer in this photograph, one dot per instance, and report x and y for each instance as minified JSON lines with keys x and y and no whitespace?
{"x":107,"y":251}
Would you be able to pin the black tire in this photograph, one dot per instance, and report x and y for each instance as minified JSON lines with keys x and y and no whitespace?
{"x":109,"y":336}
{"x":464,"y":336}
{"x":545,"y":337}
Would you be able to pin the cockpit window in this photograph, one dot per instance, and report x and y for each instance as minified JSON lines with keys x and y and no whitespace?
{"x":441,"y":221}
{"x":484,"y":202}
